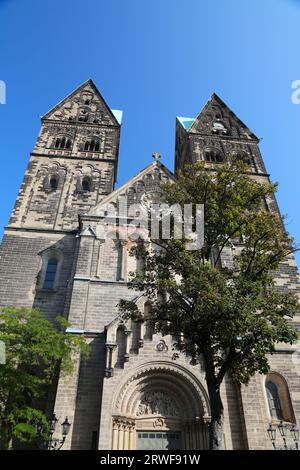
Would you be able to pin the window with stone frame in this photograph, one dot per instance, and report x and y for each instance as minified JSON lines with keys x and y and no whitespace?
{"x":92,"y":145}
{"x":53,"y":182}
{"x":273,"y":400}
{"x":278,"y":397}
{"x":62,"y":142}
{"x":50,"y":274}
{"x":86,"y":184}
{"x":212,"y":155}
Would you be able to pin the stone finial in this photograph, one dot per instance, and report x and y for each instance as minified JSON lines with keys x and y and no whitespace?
{"x":156,"y":156}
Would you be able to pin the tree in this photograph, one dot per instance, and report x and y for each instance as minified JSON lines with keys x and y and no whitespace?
{"x":229,"y":316}
{"x":35,"y":351}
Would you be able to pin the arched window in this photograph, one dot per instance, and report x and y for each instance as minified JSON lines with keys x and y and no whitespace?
{"x":92,"y":145}
{"x":63,"y":143}
{"x":213,"y":156}
{"x":273,"y":400}
{"x":50,"y":273}
{"x":53,"y":182}
{"x":86,"y":184}
{"x":279,"y":401}
{"x":242,"y":156}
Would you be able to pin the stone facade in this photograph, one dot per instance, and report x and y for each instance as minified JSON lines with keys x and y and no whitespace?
{"x":130,"y":387}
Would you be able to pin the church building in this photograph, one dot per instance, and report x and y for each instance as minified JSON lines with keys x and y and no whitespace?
{"x":131,"y":393}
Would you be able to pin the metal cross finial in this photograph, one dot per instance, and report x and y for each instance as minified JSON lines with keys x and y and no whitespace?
{"x":156,"y":156}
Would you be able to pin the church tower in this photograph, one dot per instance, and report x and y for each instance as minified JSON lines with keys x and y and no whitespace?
{"x":72,"y":167}
{"x":73,"y":164}
{"x":130,"y":394}
{"x":213,"y":134}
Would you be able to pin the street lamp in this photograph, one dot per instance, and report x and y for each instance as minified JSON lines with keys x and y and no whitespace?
{"x":282,"y":428}
{"x":272,"y":434}
{"x":65,"y":427}
{"x":295,"y":434}
{"x":53,"y":443}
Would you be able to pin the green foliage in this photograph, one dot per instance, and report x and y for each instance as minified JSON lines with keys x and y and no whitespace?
{"x":232,"y":315}
{"x":35,"y":351}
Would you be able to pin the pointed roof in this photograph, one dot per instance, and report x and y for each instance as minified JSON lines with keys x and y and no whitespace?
{"x":205,"y":118}
{"x":112,"y":197}
{"x":89,"y":87}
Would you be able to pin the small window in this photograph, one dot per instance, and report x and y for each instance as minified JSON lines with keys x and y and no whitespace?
{"x":53,"y":182}
{"x":50,"y":273}
{"x":86,"y":184}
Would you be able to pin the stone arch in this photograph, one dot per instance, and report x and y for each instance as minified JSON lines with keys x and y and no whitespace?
{"x":161,"y":396}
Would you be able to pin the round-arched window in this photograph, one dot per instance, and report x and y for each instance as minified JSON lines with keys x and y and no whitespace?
{"x":213,"y":156}
{"x":86,"y":184}
{"x":279,"y":401}
{"x":53,"y":182}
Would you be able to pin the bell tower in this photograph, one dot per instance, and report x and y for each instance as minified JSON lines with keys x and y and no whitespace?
{"x":72,"y":167}
{"x":212,"y":135}
{"x":73,"y":164}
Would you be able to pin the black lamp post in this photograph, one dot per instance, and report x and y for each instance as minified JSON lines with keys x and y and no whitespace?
{"x":54,"y":443}
{"x":295,"y":434}
{"x":283,"y":428}
{"x":272,"y":434}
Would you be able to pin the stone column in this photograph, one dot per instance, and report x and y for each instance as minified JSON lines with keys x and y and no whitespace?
{"x":100,"y":258}
{"x":115,"y":435}
{"x":126,"y":437}
{"x":127,"y":345}
{"x":121,"y":437}
{"x":122,"y":260}
{"x":123,"y":433}
{"x":110,"y":347}
{"x":142,"y":334}
{"x":132,"y":438}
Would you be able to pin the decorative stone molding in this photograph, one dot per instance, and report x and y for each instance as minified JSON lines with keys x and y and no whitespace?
{"x":173,"y":379}
{"x":157,"y":403}
{"x":123,"y":433}
{"x":161,"y":346}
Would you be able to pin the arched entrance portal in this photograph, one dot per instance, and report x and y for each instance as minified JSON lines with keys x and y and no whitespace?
{"x":163,"y":406}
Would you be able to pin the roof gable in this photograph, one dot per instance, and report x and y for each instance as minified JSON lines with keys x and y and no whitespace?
{"x":85,"y":104}
{"x":146,"y":182}
{"x":217,"y":118}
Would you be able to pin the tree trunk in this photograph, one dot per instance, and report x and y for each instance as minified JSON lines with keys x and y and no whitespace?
{"x":216,"y":438}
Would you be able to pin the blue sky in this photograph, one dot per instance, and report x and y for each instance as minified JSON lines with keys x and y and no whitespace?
{"x":154,"y":59}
